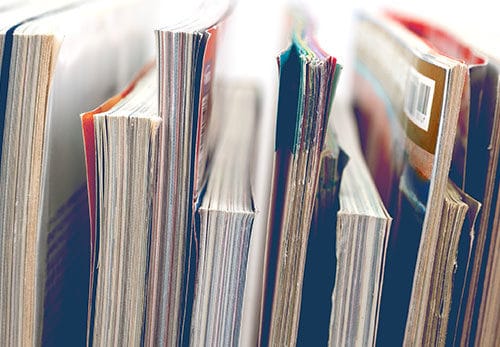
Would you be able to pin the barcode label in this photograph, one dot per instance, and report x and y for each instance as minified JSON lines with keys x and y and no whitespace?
{"x":418,"y":98}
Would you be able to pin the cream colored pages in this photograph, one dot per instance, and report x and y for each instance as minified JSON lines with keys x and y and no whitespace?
{"x":126,"y":138}
{"x":226,"y":220}
{"x":45,"y":199}
{"x":363,"y":227}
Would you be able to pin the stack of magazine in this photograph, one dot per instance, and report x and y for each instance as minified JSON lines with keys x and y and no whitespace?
{"x":308,"y":78}
{"x":169,"y":167}
{"x":427,"y":110}
{"x":134,"y":224}
{"x":58,"y":59}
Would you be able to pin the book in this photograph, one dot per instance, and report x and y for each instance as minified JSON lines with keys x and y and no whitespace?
{"x":121,"y":142}
{"x":411,"y":137}
{"x":150,"y":231}
{"x":487,"y":331}
{"x":321,"y":261}
{"x":473,"y":165}
{"x":482,"y":184}
{"x":362,"y":233}
{"x":308,"y":78}
{"x":121,"y":139}
{"x":225,"y":219}
{"x":480,"y":179}
{"x":469,"y":160}
{"x":47,"y":50}
{"x":461,"y":274}
{"x":453,"y":255}
{"x":186,"y":59}
{"x":453,"y":224}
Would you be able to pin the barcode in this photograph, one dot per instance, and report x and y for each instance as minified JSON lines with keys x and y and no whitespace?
{"x":418,"y":98}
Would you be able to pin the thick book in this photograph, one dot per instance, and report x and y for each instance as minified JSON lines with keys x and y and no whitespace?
{"x":308,"y":78}
{"x":487,"y":332}
{"x":456,"y":299}
{"x":122,"y":141}
{"x":407,"y":99}
{"x":321,"y":260}
{"x":457,"y":224}
{"x":50,"y":72}
{"x":480,"y":313}
{"x":362,"y":233}
{"x":472,"y":170}
{"x":121,"y":145}
{"x":186,"y":53}
{"x":225,"y":219}
{"x":477,"y":308}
